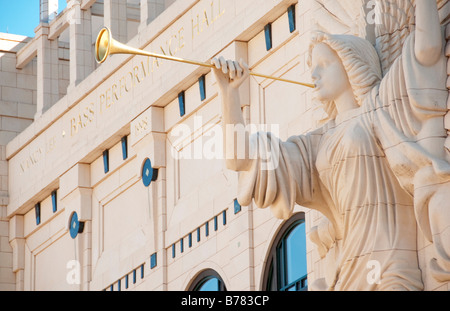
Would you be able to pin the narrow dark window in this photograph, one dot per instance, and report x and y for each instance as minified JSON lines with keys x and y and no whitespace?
{"x":106,"y":161}
{"x":268,"y":36}
{"x":124,"y":147}
{"x":54,"y":202}
{"x":153,"y":261}
{"x":291,"y":15}
{"x":37,"y":210}
{"x":182,"y":104}
{"x":202,"y":86}
{"x":237,"y":207}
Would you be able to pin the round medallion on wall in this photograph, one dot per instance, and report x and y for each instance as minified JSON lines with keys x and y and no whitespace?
{"x":147,"y":172}
{"x":75,"y":226}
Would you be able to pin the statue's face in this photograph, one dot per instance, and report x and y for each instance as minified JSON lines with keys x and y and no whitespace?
{"x":328,"y":73}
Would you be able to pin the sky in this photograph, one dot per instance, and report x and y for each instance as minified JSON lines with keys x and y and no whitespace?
{"x":21,"y":17}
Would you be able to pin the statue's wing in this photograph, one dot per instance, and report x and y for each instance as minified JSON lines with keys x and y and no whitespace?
{"x":342,"y":16}
{"x":394,"y":21}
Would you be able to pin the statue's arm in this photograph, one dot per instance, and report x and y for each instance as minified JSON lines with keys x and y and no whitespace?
{"x":428,"y":43}
{"x":229,"y":76}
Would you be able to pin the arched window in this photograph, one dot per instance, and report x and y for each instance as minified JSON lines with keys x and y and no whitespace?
{"x":287,"y":270}
{"x":208,"y":281}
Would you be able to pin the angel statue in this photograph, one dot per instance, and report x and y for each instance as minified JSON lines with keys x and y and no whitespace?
{"x":376,"y":169}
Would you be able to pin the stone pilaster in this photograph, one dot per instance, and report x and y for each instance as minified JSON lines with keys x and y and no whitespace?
{"x":115,"y":18}
{"x":81,"y":60}
{"x":150,"y":9}
{"x":149,"y":141}
{"x":17,"y":241}
{"x":47,"y":70}
{"x":76,"y":196}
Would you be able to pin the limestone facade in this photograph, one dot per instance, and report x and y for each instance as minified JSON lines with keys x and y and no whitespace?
{"x":60,"y":112}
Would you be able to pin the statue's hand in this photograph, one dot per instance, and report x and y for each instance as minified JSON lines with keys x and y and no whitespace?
{"x":229,"y":74}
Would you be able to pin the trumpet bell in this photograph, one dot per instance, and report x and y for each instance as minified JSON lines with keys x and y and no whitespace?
{"x":103,"y":45}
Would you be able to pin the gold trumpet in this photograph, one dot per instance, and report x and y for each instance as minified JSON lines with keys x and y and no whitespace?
{"x":106,"y":45}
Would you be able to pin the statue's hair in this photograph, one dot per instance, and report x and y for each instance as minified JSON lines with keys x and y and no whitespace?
{"x":360,"y":60}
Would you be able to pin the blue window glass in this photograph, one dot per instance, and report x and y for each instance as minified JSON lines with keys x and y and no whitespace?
{"x":126,"y":281}
{"x":268,"y":36}
{"x":208,"y":281}
{"x":291,"y":15}
{"x":182,"y":245}
{"x":288,"y":266}
{"x":173,"y":250}
{"x":106,"y":161}
{"x":37,"y":210}
{"x":190,"y":240}
{"x":215,"y":224}
{"x":153,"y":261}
{"x":211,"y":285}
{"x":295,"y":254}
{"x":119,"y":285}
{"x":202,"y":86}
{"x":54,"y":202}
{"x":237,"y":207}
{"x":207,"y":229}
{"x":124,"y":147}
{"x":224,"y":216}
{"x":182,"y":104}
{"x":198,"y":234}
{"x":142,"y":271}
{"x":134,"y":276}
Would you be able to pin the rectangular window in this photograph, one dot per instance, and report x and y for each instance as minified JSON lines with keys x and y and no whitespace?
{"x":134,"y":276}
{"x":215,"y":224}
{"x":126,"y":281}
{"x":291,"y":15}
{"x":124,"y":147}
{"x":37,"y":210}
{"x":173,"y":251}
{"x":202,"y":86}
{"x":182,"y":246}
{"x":54,"y":202}
{"x":142,"y":271}
{"x":207,"y":229}
{"x":119,"y":287}
{"x":190,"y":240}
{"x":224,"y":215}
{"x":268,"y":36}
{"x":153,"y":261}
{"x":198,"y":234}
{"x":182,"y":104}
{"x":106,"y":161}
{"x":237,"y":207}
